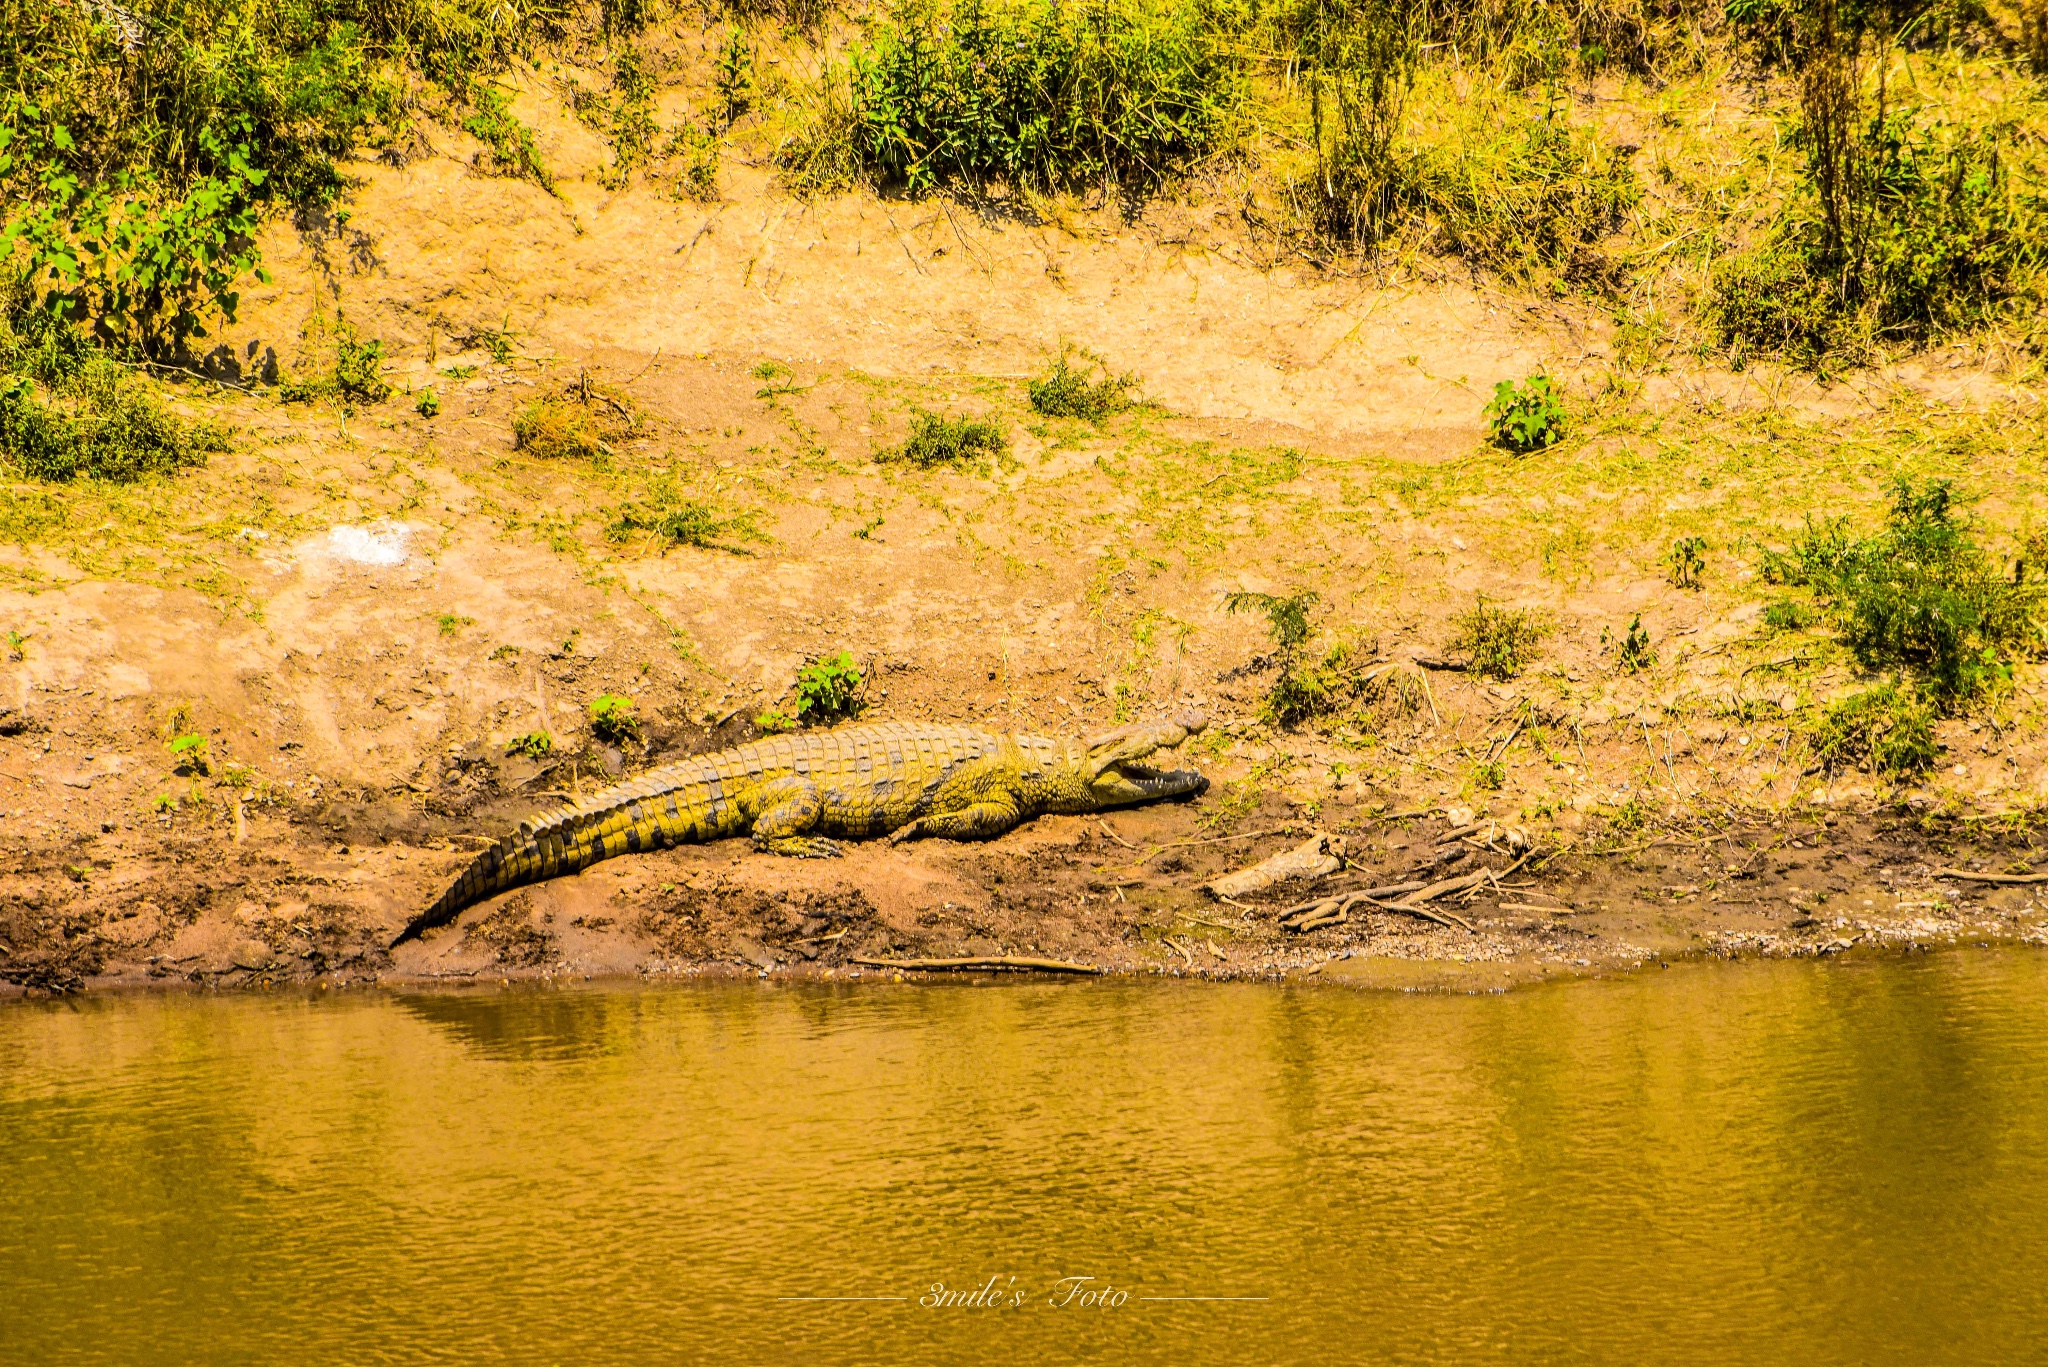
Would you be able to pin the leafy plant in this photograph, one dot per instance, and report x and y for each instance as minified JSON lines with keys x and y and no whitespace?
{"x":1888,"y":728}
{"x":508,"y":143}
{"x":1497,"y":642}
{"x":1921,"y":594}
{"x":189,"y":750}
{"x":1524,"y":418}
{"x":697,"y":148}
{"x":355,"y":377}
{"x":1309,"y":686}
{"x":429,"y":405}
{"x":612,"y":719}
{"x":1286,"y":618}
{"x":732,"y":75}
{"x":1786,"y":614}
{"x":100,"y":421}
{"x":829,"y":688}
{"x":1039,"y":95}
{"x":451,"y":623}
{"x":780,"y":379}
{"x":1686,"y":561}
{"x":1633,"y":653}
{"x":535,"y":745}
{"x":688,"y":523}
{"x":1073,"y":390}
{"x":939,"y":440}
{"x":1490,"y":774}
{"x":630,"y":117}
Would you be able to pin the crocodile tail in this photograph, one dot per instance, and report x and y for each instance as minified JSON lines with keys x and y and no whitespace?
{"x":502,"y":865}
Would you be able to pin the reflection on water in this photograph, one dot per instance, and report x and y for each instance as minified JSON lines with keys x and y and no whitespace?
{"x":1842,"y":1163}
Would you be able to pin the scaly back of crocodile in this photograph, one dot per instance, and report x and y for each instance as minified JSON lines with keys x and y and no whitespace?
{"x":879,"y":772}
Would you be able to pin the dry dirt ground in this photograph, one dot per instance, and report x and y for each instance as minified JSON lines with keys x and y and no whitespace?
{"x":361,"y":609}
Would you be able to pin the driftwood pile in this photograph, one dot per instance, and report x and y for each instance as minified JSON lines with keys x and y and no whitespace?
{"x":1414,"y":898}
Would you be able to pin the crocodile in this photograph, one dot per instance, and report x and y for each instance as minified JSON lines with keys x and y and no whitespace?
{"x":794,"y":793}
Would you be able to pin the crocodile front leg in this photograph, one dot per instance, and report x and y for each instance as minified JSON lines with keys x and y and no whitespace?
{"x":790,"y":808}
{"x":976,"y":821}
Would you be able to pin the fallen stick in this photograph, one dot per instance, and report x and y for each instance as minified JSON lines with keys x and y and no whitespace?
{"x":1532,"y":906}
{"x":987,"y":961}
{"x":1411,"y":908}
{"x":1212,"y":840}
{"x":1992,"y":877}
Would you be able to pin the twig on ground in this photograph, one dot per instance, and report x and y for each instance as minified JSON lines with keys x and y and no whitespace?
{"x":1992,"y":877}
{"x":991,"y":961}
{"x":1212,"y":840}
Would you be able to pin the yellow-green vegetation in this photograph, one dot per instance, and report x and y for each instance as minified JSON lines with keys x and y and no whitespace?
{"x":69,"y":411}
{"x":936,"y":439}
{"x":509,"y":149}
{"x":668,"y":520}
{"x":613,"y":719}
{"x":1497,"y":642}
{"x":356,"y":375}
{"x":534,"y":745}
{"x":1526,"y":417}
{"x":828,"y":689}
{"x":1919,"y":597}
{"x":1080,"y":385}
{"x":581,"y":423}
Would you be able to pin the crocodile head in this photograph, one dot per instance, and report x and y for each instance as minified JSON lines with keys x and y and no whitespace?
{"x":1111,"y":774}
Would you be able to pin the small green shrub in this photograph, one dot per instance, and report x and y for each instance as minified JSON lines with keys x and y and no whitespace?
{"x":429,"y":405}
{"x":1309,"y":686}
{"x":938,"y":440}
{"x":685,"y":523}
{"x":452,"y":623}
{"x":1497,"y":642}
{"x":355,"y":377}
{"x":612,"y":719}
{"x":1073,"y":390}
{"x":1491,"y":775}
{"x":535,"y":745}
{"x":509,"y":149}
{"x":1686,"y":561}
{"x":629,"y":118}
{"x":1633,"y":653}
{"x":732,"y":75}
{"x":775,"y":719}
{"x":829,"y":688}
{"x":1039,"y":95}
{"x":1921,"y":594}
{"x":98,"y":421}
{"x":1286,"y":618}
{"x":1524,"y":418}
{"x":189,"y":751}
{"x":1786,"y":614}
{"x":568,"y":428}
{"x":696,"y":149}
{"x":1888,"y":728}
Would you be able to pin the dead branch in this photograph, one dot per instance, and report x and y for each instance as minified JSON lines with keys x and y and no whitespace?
{"x":990,"y":961}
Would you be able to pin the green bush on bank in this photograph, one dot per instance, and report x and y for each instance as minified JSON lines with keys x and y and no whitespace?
{"x":141,"y":146}
{"x":1038,"y":95}
{"x":68,"y":411}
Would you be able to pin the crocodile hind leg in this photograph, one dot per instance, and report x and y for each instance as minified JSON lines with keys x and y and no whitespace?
{"x":790,"y":808}
{"x":976,"y":821}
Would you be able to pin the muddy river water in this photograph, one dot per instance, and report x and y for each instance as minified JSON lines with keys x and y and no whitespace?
{"x":1764,"y":1163}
